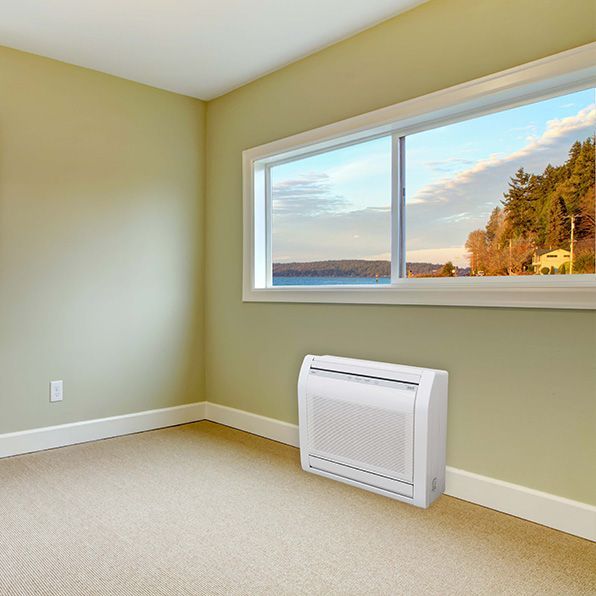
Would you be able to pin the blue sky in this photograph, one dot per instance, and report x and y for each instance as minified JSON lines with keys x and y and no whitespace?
{"x":453,"y":148}
{"x":359,"y":173}
{"x":336,"y":205}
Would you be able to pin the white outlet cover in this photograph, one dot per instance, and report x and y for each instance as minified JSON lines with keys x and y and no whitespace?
{"x":56,"y":390}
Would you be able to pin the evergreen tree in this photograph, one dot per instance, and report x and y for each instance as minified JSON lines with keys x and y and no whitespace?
{"x":574,"y":152}
{"x":586,"y":218}
{"x":581,"y":174}
{"x":494,"y":221}
{"x":519,"y":202}
{"x":558,"y":224}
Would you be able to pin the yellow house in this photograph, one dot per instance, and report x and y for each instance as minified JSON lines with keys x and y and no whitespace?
{"x":550,"y":260}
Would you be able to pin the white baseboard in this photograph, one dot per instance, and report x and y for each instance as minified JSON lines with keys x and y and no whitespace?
{"x":48,"y":437}
{"x":543,"y":508}
{"x":270,"y":428}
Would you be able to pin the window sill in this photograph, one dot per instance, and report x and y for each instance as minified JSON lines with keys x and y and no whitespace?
{"x":577,"y":292}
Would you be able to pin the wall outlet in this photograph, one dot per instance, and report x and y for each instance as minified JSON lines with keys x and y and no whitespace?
{"x":56,"y":388}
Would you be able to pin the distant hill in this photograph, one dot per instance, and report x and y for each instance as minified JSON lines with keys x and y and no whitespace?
{"x":348,"y":268}
{"x":351,"y":268}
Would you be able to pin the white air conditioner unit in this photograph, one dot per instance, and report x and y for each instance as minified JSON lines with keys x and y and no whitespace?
{"x":378,"y":426}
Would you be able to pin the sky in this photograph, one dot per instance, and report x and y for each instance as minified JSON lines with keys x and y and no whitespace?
{"x":336,"y":205}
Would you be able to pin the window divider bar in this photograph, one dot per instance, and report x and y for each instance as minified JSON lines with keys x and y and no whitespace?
{"x":402,"y":207}
{"x":398,"y":213}
{"x":268,"y":228}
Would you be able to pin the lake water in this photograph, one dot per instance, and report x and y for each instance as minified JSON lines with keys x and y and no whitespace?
{"x":328,"y":281}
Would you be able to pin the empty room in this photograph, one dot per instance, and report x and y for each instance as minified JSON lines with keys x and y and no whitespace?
{"x":297,"y":298}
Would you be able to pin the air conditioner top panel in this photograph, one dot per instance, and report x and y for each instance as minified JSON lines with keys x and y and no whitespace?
{"x":381,"y":370}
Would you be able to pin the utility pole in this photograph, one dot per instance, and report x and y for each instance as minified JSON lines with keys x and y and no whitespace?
{"x":509,"y":256}
{"x":572,"y":217}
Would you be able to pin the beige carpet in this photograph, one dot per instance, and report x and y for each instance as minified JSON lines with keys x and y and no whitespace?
{"x":202,"y":509}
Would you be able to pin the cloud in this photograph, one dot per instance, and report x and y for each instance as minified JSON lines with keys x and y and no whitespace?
{"x":358,"y":234}
{"x":465,"y":216}
{"x":309,"y":194}
{"x":551,"y":146}
{"x":448,"y":165}
{"x":444,"y":212}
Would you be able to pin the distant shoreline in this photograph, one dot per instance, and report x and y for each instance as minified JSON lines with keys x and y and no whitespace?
{"x":353,"y":268}
{"x":330,"y":281}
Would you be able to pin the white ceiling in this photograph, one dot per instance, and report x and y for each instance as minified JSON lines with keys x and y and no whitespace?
{"x":201,"y":48}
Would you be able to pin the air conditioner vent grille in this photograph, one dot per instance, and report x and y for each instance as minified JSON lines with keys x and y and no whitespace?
{"x":373,"y":438}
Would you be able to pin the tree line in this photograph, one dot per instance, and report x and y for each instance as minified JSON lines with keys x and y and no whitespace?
{"x":347,"y":268}
{"x":350,"y":268}
{"x":537,"y":213}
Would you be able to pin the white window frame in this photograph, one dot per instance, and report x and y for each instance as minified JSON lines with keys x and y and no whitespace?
{"x":566,"y":72}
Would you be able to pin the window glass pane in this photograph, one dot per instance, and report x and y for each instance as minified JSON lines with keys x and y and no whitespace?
{"x":331,"y":217}
{"x":503,"y":194}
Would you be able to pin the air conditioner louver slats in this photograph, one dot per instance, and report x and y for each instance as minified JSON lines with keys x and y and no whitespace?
{"x":376,"y":439}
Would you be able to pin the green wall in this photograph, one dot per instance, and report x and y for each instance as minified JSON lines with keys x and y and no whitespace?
{"x":523,"y":382}
{"x":121,"y":258}
{"x":101,"y":244}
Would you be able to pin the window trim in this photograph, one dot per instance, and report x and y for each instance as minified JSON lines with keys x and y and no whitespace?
{"x":565,"y":72}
